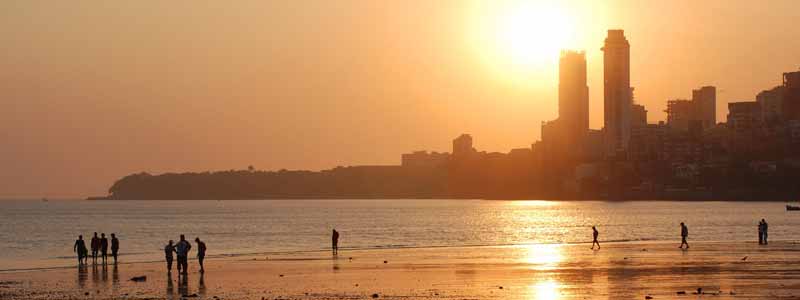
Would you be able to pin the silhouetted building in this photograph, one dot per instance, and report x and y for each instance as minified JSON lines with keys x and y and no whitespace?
{"x":573,"y":95}
{"x":424,"y":159}
{"x":617,"y":92}
{"x":704,"y":101}
{"x":462,"y":147}
{"x":638,"y":116}
{"x":743,"y":115}
{"x":744,"y":120}
{"x":791,"y":100}
{"x":679,"y":112}
{"x":771,"y":102}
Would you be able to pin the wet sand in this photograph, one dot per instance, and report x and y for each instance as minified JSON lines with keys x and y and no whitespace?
{"x":618,"y":271}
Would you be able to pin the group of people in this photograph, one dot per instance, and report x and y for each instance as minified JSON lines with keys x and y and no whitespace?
{"x":181,"y":250}
{"x":762,"y":235}
{"x":99,"y":247}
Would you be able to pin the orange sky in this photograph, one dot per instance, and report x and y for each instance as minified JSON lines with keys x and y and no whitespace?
{"x":94,"y":90}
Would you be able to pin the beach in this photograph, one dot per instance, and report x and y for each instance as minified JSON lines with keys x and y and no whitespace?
{"x":629,"y":270}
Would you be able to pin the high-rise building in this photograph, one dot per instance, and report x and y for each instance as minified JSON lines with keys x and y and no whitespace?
{"x":791,"y":97}
{"x":638,"y":116}
{"x":617,"y":100}
{"x":679,"y":113}
{"x":705,"y":105}
{"x":462,"y":146}
{"x":573,"y":95}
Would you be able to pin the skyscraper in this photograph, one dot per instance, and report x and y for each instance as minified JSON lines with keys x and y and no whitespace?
{"x":617,"y":100}
{"x":573,"y":95}
{"x":705,"y":105}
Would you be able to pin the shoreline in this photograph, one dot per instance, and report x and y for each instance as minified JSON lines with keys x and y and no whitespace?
{"x":728,"y":270}
{"x":376,"y":248}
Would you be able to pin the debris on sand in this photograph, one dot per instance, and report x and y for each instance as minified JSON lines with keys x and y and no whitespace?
{"x":681,"y":292}
{"x":744,"y":258}
{"x":280,"y":275}
{"x":648,"y":297}
{"x":139,"y":278}
{"x":189,"y":296}
{"x":375,"y":296}
{"x":500,"y":287}
{"x":386,"y":261}
{"x":699,"y":291}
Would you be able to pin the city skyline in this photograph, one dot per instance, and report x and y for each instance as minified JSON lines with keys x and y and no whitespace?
{"x":89,"y":103}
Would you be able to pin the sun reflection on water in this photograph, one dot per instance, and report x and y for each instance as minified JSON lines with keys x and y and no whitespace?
{"x":544,"y":290}
{"x":534,"y":203}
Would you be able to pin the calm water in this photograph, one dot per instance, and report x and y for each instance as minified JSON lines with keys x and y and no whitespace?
{"x":41,"y":234}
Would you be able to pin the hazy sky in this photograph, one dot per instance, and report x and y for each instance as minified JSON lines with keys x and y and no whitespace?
{"x":94,"y":90}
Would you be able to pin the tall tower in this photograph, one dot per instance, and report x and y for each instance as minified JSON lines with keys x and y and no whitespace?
{"x":573,"y":95}
{"x":705,"y":102}
{"x":617,"y":92}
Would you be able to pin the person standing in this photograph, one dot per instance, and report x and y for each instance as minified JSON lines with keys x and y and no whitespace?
{"x":95,"y":244}
{"x":761,"y":232}
{"x":114,"y":247}
{"x":595,"y":233}
{"x":103,"y":247}
{"x":80,"y":248}
{"x":335,"y":242}
{"x":684,"y":235}
{"x":201,"y":253}
{"x":168,"y":250}
{"x":764,"y":230}
{"x":182,"y":250}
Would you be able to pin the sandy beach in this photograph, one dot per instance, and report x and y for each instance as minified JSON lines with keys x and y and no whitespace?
{"x":618,"y":271}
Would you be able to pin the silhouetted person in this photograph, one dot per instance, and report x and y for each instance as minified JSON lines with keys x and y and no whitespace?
{"x":335,"y":242}
{"x":168,"y":250}
{"x":684,"y":235}
{"x":201,"y":253}
{"x":103,"y":247}
{"x":114,"y":247}
{"x":595,"y":233}
{"x":761,"y":232}
{"x":765,"y":231}
{"x":182,"y":249}
{"x":80,"y":248}
{"x":95,"y":244}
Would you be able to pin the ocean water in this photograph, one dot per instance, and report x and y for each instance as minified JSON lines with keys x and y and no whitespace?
{"x":39,"y":234}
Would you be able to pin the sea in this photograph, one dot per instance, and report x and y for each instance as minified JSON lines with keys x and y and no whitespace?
{"x":37,"y":234}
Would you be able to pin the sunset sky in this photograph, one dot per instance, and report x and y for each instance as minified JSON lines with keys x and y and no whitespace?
{"x":95,"y":90}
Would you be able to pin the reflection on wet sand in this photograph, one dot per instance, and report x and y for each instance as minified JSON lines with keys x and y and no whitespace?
{"x":95,"y":275}
{"x":183,"y":284}
{"x":170,"y":287}
{"x":543,"y":256}
{"x":201,"y":285}
{"x":545,"y":290}
{"x":83,"y":275}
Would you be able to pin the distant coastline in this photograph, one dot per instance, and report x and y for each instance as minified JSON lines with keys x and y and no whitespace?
{"x":450,"y":180}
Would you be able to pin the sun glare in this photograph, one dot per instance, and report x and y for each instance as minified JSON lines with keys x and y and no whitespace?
{"x":532,"y":33}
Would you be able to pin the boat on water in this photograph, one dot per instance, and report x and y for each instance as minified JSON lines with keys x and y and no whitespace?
{"x":792,"y":207}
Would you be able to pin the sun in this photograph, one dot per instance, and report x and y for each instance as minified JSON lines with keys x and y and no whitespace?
{"x":532,"y":33}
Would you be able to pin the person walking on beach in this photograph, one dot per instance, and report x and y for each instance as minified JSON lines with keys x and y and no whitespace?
{"x":684,"y":234}
{"x":114,"y":247}
{"x":80,"y":248}
{"x":335,"y":242}
{"x":761,"y":232}
{"x":95,"y":244}
{"x":595,"y":233}
{"x":182,"y":249}
{"x":168,"y":250}
{"x":103,"y":247}
{"x":764,"y":230}
{"x":201,"y":253}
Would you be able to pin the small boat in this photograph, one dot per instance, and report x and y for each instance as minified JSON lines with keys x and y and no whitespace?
{"x":791,"y":207}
